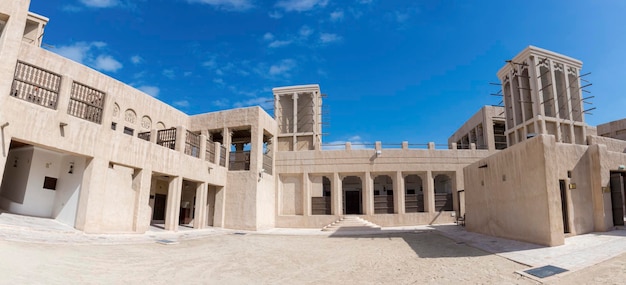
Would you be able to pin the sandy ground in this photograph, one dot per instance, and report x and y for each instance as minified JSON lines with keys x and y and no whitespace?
{"x":401,"y":258}
{"x":612,"y":271}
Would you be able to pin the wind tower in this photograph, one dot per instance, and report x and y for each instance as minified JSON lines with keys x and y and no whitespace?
{"x":543,"y":95}
{"x":298,"y":111}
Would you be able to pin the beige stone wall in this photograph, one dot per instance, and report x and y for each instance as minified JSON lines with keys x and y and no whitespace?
{"x":514,"y":194}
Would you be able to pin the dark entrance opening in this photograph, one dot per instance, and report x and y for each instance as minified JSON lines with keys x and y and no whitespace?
{"x":352,"y":204}
{"x":563,"y":188}
{"x":159,"y":207}
{"x":617,"y":198}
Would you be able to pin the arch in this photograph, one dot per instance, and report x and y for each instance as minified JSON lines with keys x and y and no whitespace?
{"x":383,"y":195}
{"x":116,"y":110}
{"x":414,"y":194}
{"x":130,"y":116}
{"x":443,"y":193}
{"x":160,"y":126}
{"x":146,"y":122}
{"x":352,"y":199}
{"x":320,"y":196}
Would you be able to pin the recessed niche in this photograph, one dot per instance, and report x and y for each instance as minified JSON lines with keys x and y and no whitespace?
{"x":50,"y":183}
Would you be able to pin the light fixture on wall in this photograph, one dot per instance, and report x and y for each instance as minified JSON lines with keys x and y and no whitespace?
{"x":379,"y":152}
{"x":15,"y":162}
{"x":261,"y":173}
{"x":71,"y":168}
{"x":4,"y":125}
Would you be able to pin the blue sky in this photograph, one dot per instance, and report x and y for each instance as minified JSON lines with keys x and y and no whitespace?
{"x":393,"y":70}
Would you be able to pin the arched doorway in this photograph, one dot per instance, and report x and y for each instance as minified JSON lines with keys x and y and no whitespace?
{"x":383,"y":195}
{"x":352,"y":201}
{"x":443,"y":193}
{"x":414,"y":197}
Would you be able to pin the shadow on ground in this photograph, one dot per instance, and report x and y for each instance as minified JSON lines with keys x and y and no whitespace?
{"x":425,"y":243}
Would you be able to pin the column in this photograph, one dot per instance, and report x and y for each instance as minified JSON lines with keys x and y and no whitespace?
{"x":172,"y":208}
{"x":429,"y":192}
{"x":227,"y":136}
{"x":295,"y":121}
{"x":200,"y":213}
{"x":306,"y":194}
{"x":89,"y":207}
{"x":142,"y":181}
{"x":181,"y":133}
{"x":202,"y":154}
{"x":368,"y":194}
{"x":398,"y":193}
{"x":336,"y":194}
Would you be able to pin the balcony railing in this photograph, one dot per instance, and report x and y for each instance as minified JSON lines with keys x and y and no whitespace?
{"x":209,"y":154}
{"x":36,"y":85}
{"x":192,"y":144}
{"x":86,"y":103}
{"x":239,"y":160}
{"x":144,"y":136}
{"x":267,"y":164}
{"x":223,"y":156}
{"x":167,"y":138}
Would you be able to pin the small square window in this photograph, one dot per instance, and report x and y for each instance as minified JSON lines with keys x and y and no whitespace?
{"x":113,"y":126}
{"x":50,"y":183}
{"x":129,"y":131}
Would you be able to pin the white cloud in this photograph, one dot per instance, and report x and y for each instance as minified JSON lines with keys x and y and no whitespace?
{"x":181,"y":103}
{"x":150,"y":90}
{"x":282,"y":68}
{"x":187,"y":73}
{"x":135,"y":59}
{"x":76,"y":52}
{"x":300,"y":5}
{"x":210,"y":63}
{"x":336,"y":16}
{"x":219,"y":81}
{"x":268,"y":36}
{"x":169,"y":73}
{"x":265,"y":103}
{"x":356,"y":142}
{"x":231,"y":5}
{"x":90,"y":54}
{"x":107,"y":63}
{"x":305,"y":31}
{"x":220,"y":103}
{"x":100,"y":3}
{"x":329,"y":38}
{"x":278,"y":43}
{"x":275,"y":15}
{"x":365,"y":1}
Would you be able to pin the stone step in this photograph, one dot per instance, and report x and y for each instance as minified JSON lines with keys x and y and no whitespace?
{"x":351,"y":223}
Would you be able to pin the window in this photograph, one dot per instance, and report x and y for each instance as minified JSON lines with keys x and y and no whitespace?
{"x":86,"y":103}
{"x":113,"y":126}
{"x":129,"y":131}
{"x":50,"y":183}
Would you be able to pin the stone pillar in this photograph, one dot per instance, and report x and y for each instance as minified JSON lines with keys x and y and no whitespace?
{"x":368,"y":194}
{"x":398,"y":194}
{"x":154,"y":134}
{"x":200,"y":213}
{"x":228,"y":138}
{"x":336,"y":205}
{"x":142,"y":181}
{"x":218,"y":153}
{"x":202,"y":154}
{"x":172,"y":208}
{"x":89,"y":207}
{"x":306,"y":194}
{"x":429,"y":192}
{"x":181,"y":133}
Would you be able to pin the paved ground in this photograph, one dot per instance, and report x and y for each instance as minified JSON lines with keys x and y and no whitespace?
{"x":579,"y":253}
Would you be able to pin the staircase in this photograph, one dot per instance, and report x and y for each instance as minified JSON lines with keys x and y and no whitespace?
{"x":352,"y":224}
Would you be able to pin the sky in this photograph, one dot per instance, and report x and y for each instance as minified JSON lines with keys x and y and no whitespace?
{"x":392,"y":71}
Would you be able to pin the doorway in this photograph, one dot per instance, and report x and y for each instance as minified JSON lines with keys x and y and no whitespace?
{"x":617,"y":198}
{"x":159,"y":207}
{"x":352,"y":202}
{"x":563,"y":188}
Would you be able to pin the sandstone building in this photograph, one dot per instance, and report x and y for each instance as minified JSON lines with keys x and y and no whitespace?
{"x":94,"y":153}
